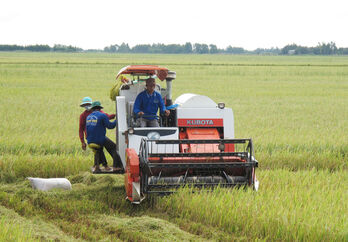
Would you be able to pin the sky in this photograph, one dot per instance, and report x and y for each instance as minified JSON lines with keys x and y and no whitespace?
{"x":249,"y":24}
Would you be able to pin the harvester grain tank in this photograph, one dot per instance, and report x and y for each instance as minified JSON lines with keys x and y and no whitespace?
{"x":195,"y":146}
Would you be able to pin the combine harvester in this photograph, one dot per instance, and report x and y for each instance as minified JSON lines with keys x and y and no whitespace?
{"x":194,"y":145}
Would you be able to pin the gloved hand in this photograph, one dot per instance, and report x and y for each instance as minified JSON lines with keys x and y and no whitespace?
{"x":83,"y":146}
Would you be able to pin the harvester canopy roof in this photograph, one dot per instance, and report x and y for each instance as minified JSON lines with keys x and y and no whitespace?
{"x":160,"y":72}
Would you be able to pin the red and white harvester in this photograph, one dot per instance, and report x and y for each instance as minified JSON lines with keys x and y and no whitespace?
{"x":194,"y":145}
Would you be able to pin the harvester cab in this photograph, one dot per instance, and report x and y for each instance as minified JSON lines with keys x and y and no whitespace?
{"x":193,"y":146}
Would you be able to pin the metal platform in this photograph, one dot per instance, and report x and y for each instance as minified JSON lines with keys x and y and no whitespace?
{"x":103,"y":171}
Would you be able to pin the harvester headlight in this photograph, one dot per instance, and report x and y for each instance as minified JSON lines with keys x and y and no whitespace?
{"x":130,"y":131}
{"x":153,"y":136}
{"x":221,"y":105}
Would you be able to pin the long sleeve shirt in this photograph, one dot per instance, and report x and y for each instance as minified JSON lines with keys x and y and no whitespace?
{"x":96,"y":124}
{"x":82,"y":125}
{"x":149,"y":104}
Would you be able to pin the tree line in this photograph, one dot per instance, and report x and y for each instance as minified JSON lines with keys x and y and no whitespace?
{"x":41,"y":48}
{"x":320,"y":49}
{"x":188,"y":48}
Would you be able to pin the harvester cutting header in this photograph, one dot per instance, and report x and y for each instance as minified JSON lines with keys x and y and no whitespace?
{"x":194,"y":145}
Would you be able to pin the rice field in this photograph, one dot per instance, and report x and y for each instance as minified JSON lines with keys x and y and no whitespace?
{"x":293,"y":107}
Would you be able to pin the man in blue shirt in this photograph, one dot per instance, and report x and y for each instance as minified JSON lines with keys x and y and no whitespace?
{"x":96,"y":124}
{"x":147,"y":103}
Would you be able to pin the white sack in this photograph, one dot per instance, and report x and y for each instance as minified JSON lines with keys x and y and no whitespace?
{"x":43,"y":184}
{"x":256,"y":184}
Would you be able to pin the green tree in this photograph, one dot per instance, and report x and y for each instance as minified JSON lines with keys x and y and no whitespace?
{"x":285,"y":50}
{"x":213,"y":49}
{"x":326,"y":49}
{"x":39,"y":48}
{"x":197,"y":48}
{"x":141,"y":49}
{"x":205,"y":49}
{"x":124,"y":48}
{"x":234,"y":50}
{"x":11,"y":47}
{"x":188,"y":47}
{"x":65,"y":48}
{"x":111,"y":48}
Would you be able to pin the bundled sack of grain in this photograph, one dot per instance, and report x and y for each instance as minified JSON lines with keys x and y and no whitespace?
{"x":44,"y":184}
{"x":115,"y":90}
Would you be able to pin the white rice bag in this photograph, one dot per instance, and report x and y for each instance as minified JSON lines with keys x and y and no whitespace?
{"x":44,"y":184}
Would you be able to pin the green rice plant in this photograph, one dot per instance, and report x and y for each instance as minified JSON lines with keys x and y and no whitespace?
{"x":291,"y":206}
{"x":302,"y":205}
{"x":14,"y":167}
{"x":13,"y":232}
{"x":293,"y":107}
{"x":13,"y":227}
{"x":94,"y":210}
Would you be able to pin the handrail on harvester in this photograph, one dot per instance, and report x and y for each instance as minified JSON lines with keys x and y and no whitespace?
{"x":246,"y":155}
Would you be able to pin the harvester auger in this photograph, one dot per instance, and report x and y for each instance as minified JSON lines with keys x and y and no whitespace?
{"x":194,"y":146}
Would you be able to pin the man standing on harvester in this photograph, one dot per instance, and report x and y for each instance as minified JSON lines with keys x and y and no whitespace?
{"x":96,"y":124}
{"x":146,"y":105}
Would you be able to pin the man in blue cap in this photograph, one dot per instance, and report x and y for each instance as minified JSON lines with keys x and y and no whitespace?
{"x":96,"y":124}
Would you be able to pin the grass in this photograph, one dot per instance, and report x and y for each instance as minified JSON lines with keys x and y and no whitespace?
{"x":13,"y":232}
{"x":307,"y":206}
{"x":289,"y":111}
{"x":293,"y":107}
{"x":14,"y":227}
{"x":13,"y":167}
{"x":94,"y":210}
{"x":304,"y":205}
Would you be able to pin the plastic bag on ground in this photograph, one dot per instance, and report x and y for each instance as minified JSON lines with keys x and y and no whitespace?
{"x":46,"y":184}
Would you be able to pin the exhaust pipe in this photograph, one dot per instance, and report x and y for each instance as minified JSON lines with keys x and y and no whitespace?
{"x":170,"y":77}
